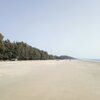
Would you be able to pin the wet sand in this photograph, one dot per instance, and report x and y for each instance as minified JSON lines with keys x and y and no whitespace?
{"x":49,"y":80}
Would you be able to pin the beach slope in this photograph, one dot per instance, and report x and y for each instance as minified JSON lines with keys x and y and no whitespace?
{"x":50,"y":80}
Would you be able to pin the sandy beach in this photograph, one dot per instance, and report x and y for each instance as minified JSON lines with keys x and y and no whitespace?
{"x":49,"y":80}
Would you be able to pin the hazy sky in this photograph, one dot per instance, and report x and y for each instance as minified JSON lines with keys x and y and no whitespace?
{"x":67,"y":27}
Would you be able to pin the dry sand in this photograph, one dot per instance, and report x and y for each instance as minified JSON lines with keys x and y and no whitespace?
{"x":49,"y":80}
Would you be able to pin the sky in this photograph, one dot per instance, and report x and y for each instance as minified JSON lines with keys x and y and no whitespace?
{"x":60,"y":27}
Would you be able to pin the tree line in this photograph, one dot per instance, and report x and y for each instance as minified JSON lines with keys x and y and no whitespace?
{"x":22,"y":51}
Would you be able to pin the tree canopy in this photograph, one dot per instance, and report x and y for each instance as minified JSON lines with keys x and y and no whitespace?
{"x":22,"y":51}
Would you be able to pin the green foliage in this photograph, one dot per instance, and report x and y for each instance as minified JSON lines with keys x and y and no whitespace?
{"x":20,"y":51}
{"x":1,"y":43}
{"x":44,"y":55}
{"x":1,"y":36}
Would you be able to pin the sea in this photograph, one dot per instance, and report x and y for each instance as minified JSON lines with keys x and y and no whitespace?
{"x":90,"y":60}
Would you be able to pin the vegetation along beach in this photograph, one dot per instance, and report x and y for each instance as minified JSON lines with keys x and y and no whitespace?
{"x":49,"y":50}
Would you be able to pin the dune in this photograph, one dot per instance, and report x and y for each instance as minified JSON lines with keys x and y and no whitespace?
{"x":49,"y":80}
